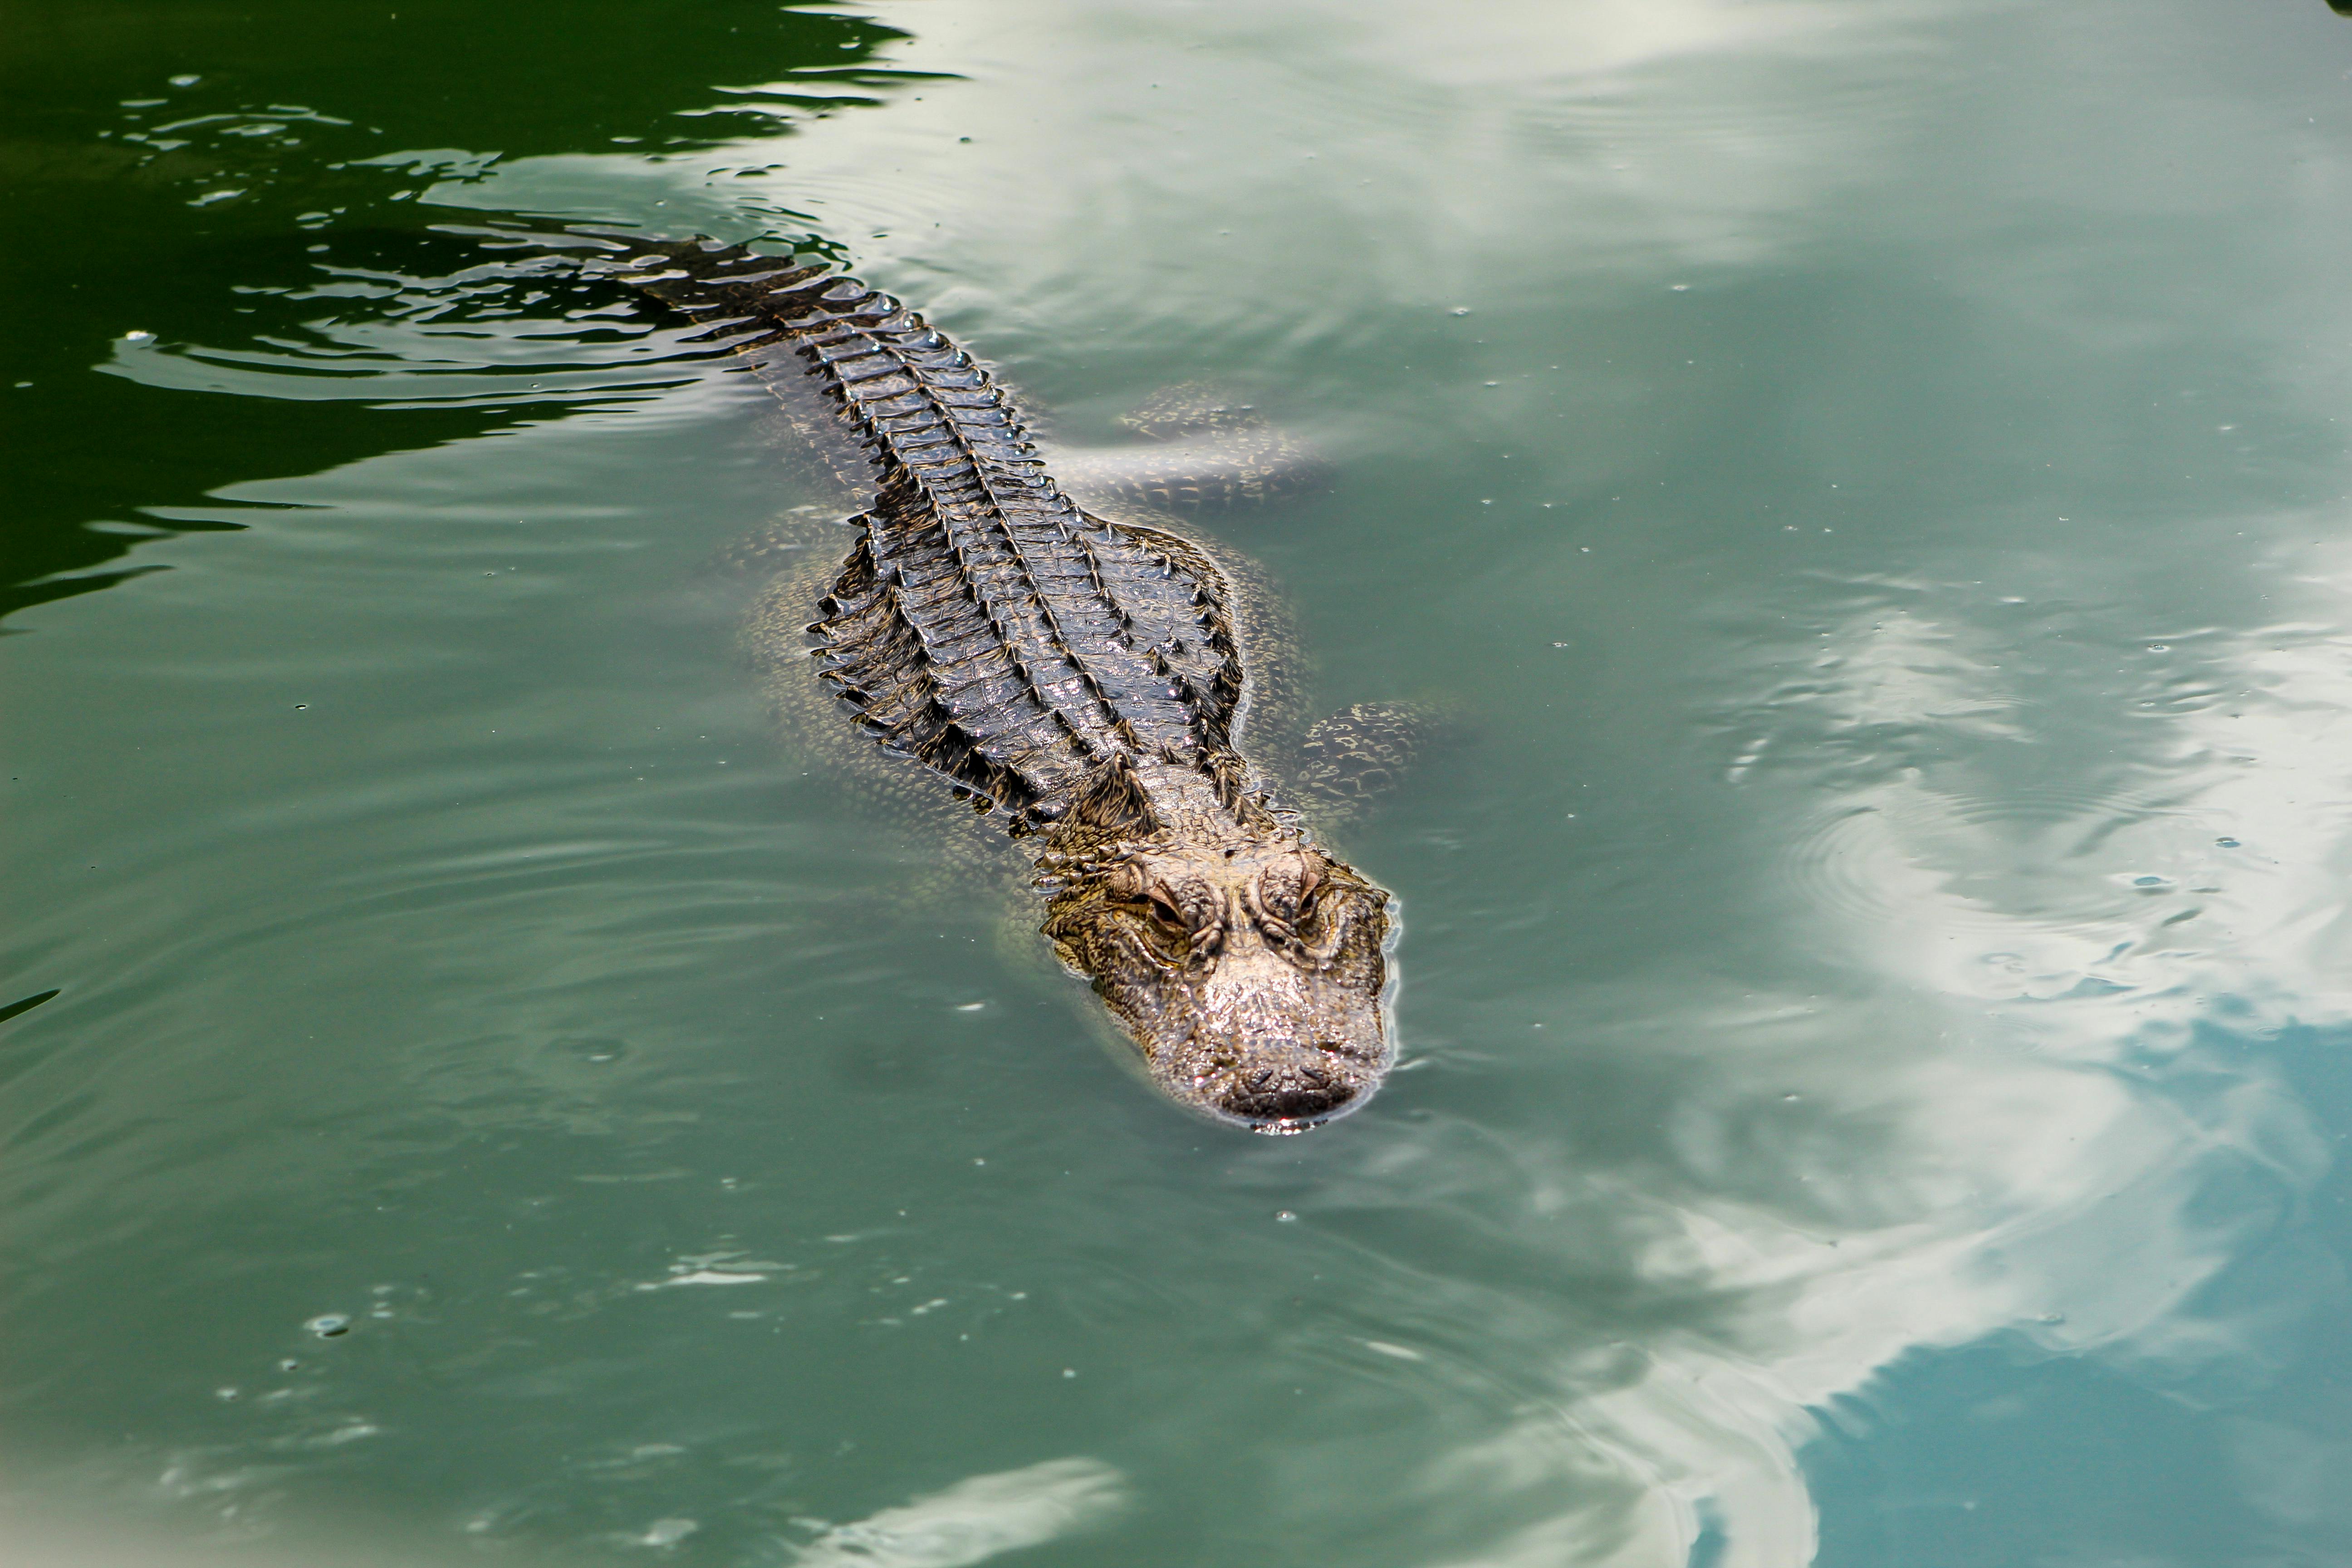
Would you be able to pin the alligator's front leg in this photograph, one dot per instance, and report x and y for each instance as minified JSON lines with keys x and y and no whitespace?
{"x":1347,"y":764}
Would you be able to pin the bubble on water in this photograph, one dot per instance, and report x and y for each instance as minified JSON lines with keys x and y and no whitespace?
{"x":1461,"y":310}
{"x":1679,"y":288}
{"x":2227,"y":843}
{"x":2159,"y":647}
{"x":1283,"y":1216}
{"x":2147,"y":881}
{"x":186,"y":80}
{"x":329,"y":1325}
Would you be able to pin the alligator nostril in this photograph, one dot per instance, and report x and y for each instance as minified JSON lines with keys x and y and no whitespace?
{"x":1272,"y":1098}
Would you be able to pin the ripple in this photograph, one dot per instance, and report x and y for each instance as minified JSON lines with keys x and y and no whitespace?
{"x":397,"y":340}
{"x":1980,"y":863}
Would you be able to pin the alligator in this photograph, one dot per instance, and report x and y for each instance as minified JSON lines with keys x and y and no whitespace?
{"x":1083,"y":678}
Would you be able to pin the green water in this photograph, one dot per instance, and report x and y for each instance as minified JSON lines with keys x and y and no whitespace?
{"x":1870,"y":482}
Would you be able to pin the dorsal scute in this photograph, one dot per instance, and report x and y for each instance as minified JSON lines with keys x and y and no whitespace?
{"x":984,"y":625}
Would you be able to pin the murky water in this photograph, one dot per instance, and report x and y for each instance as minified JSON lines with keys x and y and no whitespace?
{"x":1872,"y":484}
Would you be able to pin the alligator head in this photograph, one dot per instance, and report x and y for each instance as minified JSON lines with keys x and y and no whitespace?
{"x":1248,"y":967}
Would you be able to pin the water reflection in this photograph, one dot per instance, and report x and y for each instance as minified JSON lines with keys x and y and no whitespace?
{"x":972,"y":1521}
{"x":209,"y":150}
{"x":2016,"y":1095}
{"x":976,"y":1519}
{"x":1851,"y":946}
{"x":1998,"y":1113}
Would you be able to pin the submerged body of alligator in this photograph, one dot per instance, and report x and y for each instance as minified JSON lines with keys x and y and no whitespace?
{"x":1083,"y":676}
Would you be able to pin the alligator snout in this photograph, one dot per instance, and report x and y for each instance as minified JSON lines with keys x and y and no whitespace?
{"x":1294,"y":1090}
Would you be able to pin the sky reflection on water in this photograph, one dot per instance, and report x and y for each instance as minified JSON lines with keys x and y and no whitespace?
{"x":1870,"y":481}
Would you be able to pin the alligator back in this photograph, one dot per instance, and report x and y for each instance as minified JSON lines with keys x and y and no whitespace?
{"x":984,"y":624}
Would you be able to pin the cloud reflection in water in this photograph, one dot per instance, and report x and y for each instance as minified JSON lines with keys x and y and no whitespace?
{"x":1974,"y":1065}
{"x":2006,"y":1097}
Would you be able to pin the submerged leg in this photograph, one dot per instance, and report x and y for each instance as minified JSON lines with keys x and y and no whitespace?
{"x":1200,"y":451}
{"x":1349,"y":761}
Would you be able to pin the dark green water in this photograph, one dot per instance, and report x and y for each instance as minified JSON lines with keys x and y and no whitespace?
{"x":1873,"y":482}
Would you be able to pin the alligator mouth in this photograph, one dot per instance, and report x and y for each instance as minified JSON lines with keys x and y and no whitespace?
{"x":1289,"y":1095}
{"x":1292,"y":1109}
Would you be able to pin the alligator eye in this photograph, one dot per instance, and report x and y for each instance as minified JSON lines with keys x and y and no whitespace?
{"x":1286,"y":889}
{"x":1310,"y":878}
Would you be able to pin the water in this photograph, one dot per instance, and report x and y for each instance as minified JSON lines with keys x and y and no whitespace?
{"x":1869,"y":483}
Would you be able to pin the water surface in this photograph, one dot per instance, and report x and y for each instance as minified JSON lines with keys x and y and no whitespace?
{"x":1869,"y":484}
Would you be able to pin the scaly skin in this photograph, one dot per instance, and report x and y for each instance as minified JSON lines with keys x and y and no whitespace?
{"x":1080,"y":676}
{"x":1246,"y":962}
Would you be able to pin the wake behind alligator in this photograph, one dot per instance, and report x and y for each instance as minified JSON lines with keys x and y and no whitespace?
{"x":1080,"y":676}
